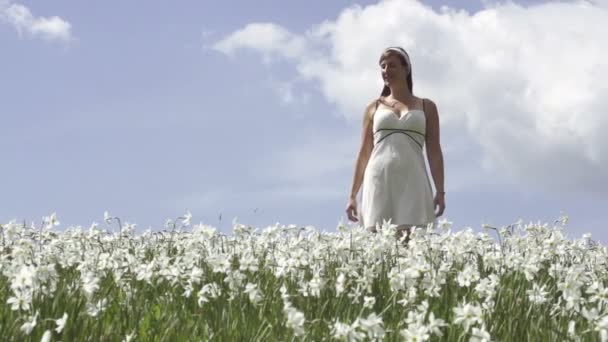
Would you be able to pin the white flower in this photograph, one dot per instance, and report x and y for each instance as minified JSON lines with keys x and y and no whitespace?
{"x":467,"y":315}
{"x":396,"y":279}
{"x":188,"y":290}
{"x":403,"y":301}
{"x":202,"y":299}
{"x":46,"y":337}
{"x":107,"y":218}
{"x":411,"y":274}
{"x":563,"y":219}
{"x":90,"y":284}
{"x":195,"y":275}
{"x":480,"y":335}
{"x":254,"y":293}
{"x":415,"y":332}
{"x":387,"y":228}
{"x":340,"y":330}
{"x":433,"y":290}
{"x":206,"y":231}
{"x":530,"y":267}
{"x":295,"y":320}
{"x":50,"y":221}
{"x":219,"y":262}
{"x":284,"y":294}
{"x":315,"y":285}
{"x":355,"y":294}
{"x":414,"y":317}
{"x":372,"y":325}
{"x":129,"y":337}
{"x":61,"y":323}
{"x":340,"y":284}
{"x":368,"y":302}
{"x":303,"y":290}
{"x":591,"y":315}
{"x":211,"y":289}
{"x":602,"y":327}
{"x":443,"y":223}
{"x":435,"y":325}
{"x":572,"y":330}
{"x":145,"y":271}
{"x":187,"y":218}
{"x":26,"y":277}
{"x":21,"y":300}
{"x":29,"y":325}
{"x":537,"y":295}
{"x":345,"y":332}
{"x":468,"y":275}
{"x":95,"y":309}
{"x":598,"y":293}
{"x":486,"y":286}
{"x":248,"y":262}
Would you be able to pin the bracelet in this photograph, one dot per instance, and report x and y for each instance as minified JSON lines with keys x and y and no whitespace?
{"x":441,"y":192}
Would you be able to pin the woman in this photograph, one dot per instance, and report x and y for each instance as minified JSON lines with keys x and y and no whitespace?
{"x":390,"y":166}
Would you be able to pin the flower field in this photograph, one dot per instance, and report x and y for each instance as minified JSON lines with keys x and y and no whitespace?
{"x":523,"y":282}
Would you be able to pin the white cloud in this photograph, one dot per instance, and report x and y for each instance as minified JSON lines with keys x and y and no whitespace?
{"x":21,"y":18}
{"x":269,"y":39}
{"x":526,"y":84}
{"x":289,"y":93}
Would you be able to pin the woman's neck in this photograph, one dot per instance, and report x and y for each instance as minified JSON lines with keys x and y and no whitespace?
{"x":401,"y":94}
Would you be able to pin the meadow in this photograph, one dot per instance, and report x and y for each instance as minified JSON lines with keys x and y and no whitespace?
{"x":522,"y":282}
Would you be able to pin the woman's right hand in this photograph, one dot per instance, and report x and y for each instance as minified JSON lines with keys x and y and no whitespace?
{"x":351,"y":210}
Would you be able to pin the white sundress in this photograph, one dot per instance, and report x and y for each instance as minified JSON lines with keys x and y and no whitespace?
{"x":395,"y":183}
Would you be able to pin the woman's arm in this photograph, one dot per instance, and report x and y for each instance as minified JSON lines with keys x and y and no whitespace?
{"x":433,"y":146}
{"x":367,"y":144}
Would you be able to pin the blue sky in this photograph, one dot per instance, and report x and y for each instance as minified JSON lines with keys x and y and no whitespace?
{"x":253,"y":110}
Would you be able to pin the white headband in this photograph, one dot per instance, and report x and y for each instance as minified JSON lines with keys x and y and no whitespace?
{"x":401,"y":52}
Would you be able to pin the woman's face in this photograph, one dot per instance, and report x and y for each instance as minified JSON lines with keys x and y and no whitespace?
{"x":392,"y":69}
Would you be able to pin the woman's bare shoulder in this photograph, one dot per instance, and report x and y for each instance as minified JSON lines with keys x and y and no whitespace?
{"x":373,"y":103}
{"x":371,"y":108}
{"x":429,"y":102}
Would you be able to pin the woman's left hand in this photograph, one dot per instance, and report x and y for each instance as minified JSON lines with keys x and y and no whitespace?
{"x":439,"y":201}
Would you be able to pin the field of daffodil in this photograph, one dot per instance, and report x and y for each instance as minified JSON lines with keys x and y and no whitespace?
{"x":522,"y":282}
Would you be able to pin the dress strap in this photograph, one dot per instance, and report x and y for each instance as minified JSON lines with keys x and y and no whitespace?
{"x":423,"y":108}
